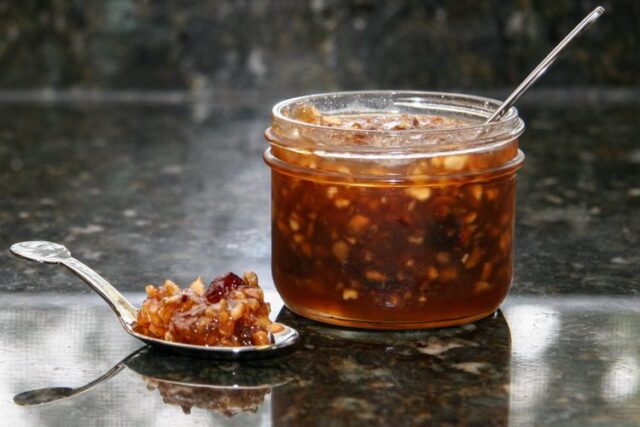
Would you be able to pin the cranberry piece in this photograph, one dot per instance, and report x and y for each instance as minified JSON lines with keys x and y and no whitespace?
{"x":222,"y":285}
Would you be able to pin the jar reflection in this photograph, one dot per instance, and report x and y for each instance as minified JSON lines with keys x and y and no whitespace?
{"x":457,"y":375}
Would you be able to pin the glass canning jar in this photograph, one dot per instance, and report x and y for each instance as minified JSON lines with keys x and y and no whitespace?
{"x":388,"y":227}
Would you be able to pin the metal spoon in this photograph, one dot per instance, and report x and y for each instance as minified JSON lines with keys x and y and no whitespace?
{"x":53,"y":253}
{"x":194,"y":374}
{"x":546,"y":62}
{"x":531,"y":78}
{"x":41,"y":396}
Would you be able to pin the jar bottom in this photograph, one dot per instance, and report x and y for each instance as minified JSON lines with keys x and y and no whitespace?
{"x":368,"y":324}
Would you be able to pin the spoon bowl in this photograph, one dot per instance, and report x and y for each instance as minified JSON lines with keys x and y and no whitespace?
{"x":193,"y":375}
{"x":43,"y":395}
{"x":54,"y":253}
{"x":39,"y":251}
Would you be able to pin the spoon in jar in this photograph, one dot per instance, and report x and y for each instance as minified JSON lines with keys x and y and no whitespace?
{"x":546,"y":62}
{"x":53,"y":253}
{"x":533,"y":76}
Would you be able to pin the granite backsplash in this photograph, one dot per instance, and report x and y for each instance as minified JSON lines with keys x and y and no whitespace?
{"x":309,"y":45}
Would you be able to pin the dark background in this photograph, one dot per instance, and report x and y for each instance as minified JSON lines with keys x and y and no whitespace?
{"x":302,"y":46}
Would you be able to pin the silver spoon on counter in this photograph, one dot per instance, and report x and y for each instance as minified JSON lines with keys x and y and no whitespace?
{"x":53,"y":253}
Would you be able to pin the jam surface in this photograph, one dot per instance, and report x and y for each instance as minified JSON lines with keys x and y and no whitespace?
{"x":230,"y":312}
{"x":371,"y":253}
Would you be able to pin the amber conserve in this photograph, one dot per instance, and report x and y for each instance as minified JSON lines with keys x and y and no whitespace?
{"x":230,"y":312}
{"x":352,"y":245}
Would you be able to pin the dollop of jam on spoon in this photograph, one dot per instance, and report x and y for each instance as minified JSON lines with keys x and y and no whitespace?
{"x":199,"y":311}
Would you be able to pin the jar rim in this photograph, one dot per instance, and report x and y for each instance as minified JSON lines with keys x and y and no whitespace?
{"x":482,"y":110}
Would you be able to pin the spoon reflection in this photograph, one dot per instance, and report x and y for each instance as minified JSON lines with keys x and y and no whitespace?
{"x":227,"y":388}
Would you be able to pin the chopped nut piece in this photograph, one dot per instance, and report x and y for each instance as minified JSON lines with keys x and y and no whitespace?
{"x":432,"y":273}
{"x":294,"y":224}
{"x":329,"y":120}
{"x":276,"y":328}
{"x":474,"y":258}
{"x":254,"y":292}
{"x":307,"y":113}
{"x":504,"y":243}
{"x":253,"y":304}
{"x":419,"y":193}
{"x":455,"y":163}
{"x":470,"y":217}
{"x":437,"y":162}
{"x":487,"y":269}
{"x":358,"y":223}
{"x":349,"y":293}
{"x":448,"y":274}
{"x":198,"y":286}
{"x":341,"y":251}
{"x":260,"y":338}
{"x":481,"y":287}
{"x":375,"y":276}
{"x":237,"y":311}
{"x":231,"y":312}
{"x":476,"y":190}
{"x":342,"y":203}
{"x":150,"y":290}
{"x":171,"y":287}
{"x":331,"y":191}
{"x":443,"y":257}
{"x":416,"y":240}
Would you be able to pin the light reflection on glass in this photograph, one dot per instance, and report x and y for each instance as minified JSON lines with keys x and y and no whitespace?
{"x":562,"y":347}
{"x":534,"y":328}
{"x":65,"y":344}
{"x":622,"y":381}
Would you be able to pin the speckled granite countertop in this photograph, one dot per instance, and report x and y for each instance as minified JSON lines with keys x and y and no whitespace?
{"x":147,"y":191}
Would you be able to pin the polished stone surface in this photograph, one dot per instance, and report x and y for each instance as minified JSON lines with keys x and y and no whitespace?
{"x":146,"y":191}
{"x":542,"y":361}
{"x":304,"y":46}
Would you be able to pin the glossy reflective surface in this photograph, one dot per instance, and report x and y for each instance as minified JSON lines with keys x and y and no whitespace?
{"x":573,"y":359}
{"x":146,"y":192}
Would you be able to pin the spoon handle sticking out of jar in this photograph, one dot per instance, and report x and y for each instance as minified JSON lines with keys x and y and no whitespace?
{"x":546,"y":62}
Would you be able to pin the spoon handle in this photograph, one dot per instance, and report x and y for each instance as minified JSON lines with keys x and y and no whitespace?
{"x":546,"y":62}
{"x":52,"y":394}
{"x":125,"y":311}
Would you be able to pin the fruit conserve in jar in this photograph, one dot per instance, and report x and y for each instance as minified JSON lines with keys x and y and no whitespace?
{"x":355,"y":242}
